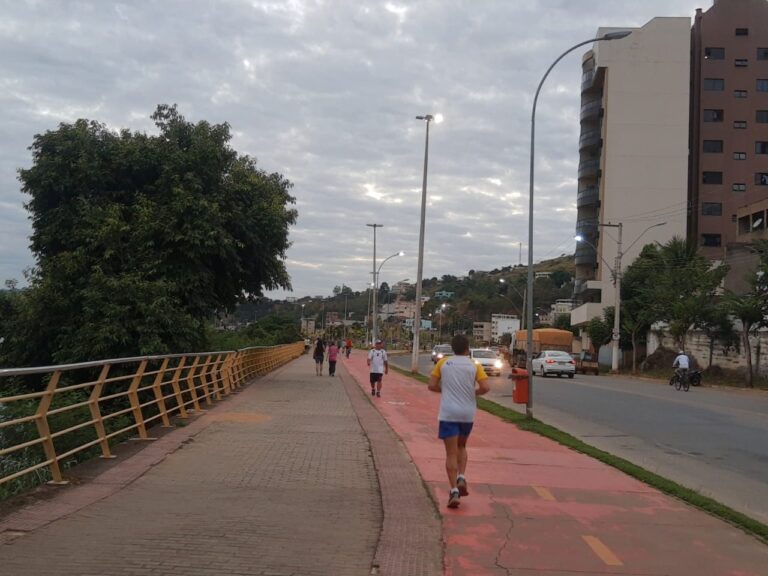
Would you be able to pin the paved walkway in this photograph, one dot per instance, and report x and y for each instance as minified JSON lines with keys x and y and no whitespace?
{"x":301,"y":475}
{"x":278,"y":479}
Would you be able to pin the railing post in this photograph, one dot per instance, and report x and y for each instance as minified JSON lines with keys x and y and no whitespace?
{"x":190,"y":380}
{"x":98,"y":422}
{"x":177,"y":388}
{"x":156,"y":387}
{"x":133,"y":395}
{"x":216,"y":377}
{"x":204,"y":380}
{"x":44,"y":430}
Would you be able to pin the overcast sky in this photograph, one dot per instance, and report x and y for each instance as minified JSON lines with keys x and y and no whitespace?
{"x":325,"y":92}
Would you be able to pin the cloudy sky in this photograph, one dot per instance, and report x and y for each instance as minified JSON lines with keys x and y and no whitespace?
{"x":325,"y":92}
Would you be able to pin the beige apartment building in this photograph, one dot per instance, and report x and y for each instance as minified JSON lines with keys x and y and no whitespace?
{"x":633,"y":168}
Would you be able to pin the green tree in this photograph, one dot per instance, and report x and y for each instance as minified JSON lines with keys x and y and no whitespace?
{"x":140,"y":239}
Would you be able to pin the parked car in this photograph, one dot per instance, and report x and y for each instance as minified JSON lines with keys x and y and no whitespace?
{"x":441,"y":351}
{"x":554,"y":362}
{"x":488,"y":359}
{"x":586,"y":363}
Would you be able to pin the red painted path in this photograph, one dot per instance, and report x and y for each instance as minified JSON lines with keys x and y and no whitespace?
{"x":538,"y":508}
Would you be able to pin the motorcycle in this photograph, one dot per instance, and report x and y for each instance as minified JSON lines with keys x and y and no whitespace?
{"x":694,"y":377}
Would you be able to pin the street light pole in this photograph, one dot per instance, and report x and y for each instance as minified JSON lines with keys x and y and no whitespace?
{"x":529,"y":311}
{"x":616,"y":272}
{"x":376,"y":288}
{"x":373,"y":299}
{"x":420,"y":267}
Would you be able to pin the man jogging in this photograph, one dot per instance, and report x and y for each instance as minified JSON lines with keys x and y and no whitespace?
{"x":379,"y":365}
{"x":460,"y":381}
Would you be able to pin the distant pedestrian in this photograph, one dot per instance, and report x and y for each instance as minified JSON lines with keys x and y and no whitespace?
{"x":333,"y":352}
{"x":319,"y":354}
{"x":349,"y":346}
{"x":459,"y":381}
{"x":379,"y":365}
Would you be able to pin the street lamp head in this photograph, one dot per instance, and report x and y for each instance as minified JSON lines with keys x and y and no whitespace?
{"x":438,"y":118}
{"x":579,"y":238}
{"x":401,"y":253}
{"x":429,"y":118}
{"x":616,"y":35}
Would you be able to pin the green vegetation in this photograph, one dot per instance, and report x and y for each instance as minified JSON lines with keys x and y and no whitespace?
{"x":140,"y":240}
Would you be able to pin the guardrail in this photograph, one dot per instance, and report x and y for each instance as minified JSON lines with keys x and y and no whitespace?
{"x":76,"y":408}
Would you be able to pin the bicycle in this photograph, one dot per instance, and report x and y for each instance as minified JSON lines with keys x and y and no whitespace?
{"x":680,"y":381}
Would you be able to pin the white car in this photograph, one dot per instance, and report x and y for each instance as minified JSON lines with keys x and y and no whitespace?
{"x":488,"y":359}
{"x":441,"y":351}
{"x":554,"y":362}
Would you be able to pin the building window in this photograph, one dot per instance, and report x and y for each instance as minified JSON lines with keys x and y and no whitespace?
{"x":740,"y":62}
{"x":762,"y":84}
{"x":762,"y":54}
{"x":739,"y":155}
{"x":716,"y":84}
{"x":739,"y":187}
{"x":713,"y":115}
{"x":713,"y":146}
{"x":711,"y":209}
{"x":742,"y":31}
{"x":761,"y":117}
{"x":712,"y":177}
{"x":740,"y":93}
{"x":710,"y":239}
{"x":714,"y":53}
{"x":761,"y":178}
{"x":741,"y":124}
{"x":761,"y":147}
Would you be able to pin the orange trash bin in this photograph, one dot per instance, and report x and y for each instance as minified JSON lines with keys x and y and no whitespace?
{"x":520,"y":391}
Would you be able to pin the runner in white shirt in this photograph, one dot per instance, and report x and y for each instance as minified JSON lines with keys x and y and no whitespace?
{"x":460,"y":381}
{"x":379,"y":365}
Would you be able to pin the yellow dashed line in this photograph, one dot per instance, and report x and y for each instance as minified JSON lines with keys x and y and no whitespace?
{"x":544,"y":493}
{"x":602,"y":551}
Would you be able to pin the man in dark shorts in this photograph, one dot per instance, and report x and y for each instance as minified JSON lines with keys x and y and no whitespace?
{"x":459,"y":381}
{"x":379,"y":365}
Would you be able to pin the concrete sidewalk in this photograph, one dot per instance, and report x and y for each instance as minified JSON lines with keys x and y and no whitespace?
{"x":277,"y":479}
{"x":536,"y":507}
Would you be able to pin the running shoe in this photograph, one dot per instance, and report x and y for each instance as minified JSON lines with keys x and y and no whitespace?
{"x":453,"y":499}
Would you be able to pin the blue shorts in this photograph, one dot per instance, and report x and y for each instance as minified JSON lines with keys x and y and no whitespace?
{"x":451,"y":429}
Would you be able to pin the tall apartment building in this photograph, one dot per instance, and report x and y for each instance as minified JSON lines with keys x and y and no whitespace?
{"x":633,"y":148}
{"x":729,"y":127}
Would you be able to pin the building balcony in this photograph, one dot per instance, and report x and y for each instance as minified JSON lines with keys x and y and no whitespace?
{"x":589,"y":168}
{"x":590,"y":139}
{"x":591,"y":109}
{"x":585,"y":254}
{"x":583,"y":314}
{"x":588,"y":197}
{"x":587,"y":79}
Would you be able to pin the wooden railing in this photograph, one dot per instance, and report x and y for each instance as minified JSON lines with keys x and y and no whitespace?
{"x":91,"y":405}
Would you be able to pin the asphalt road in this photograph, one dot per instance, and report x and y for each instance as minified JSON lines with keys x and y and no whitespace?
{"x":714,"y":440}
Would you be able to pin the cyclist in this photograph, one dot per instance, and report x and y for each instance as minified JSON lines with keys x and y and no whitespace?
{"x":680,"y":365}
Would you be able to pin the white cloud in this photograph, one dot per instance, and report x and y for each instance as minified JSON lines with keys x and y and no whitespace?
{"x":326,"y":94}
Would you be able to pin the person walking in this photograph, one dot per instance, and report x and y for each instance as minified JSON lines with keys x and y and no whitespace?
{"x":349,"y":346}
{"x":459,"y":381}
{"x":378,"y":366}
{"x":333,"y":352}
{"x":318,"y":354}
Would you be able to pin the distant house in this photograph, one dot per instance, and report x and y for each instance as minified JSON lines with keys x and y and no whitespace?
{"x":482,"y":332}
{"x":443,"y":294}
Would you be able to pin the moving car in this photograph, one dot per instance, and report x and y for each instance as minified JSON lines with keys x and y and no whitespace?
{"x":441,"y":351}
{"x":488,"y":359}
{"x":554,"y":362}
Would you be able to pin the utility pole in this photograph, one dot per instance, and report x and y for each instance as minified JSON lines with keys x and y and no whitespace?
{"x":617,"y":305}
{"x":373,"y":306}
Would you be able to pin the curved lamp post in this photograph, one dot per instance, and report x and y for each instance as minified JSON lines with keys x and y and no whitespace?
{"x":529,"y":311}
{"x":420,"y":267}
{"x":376,"y":293}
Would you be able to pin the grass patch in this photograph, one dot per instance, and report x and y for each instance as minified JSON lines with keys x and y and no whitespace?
{"x":749,"y":525}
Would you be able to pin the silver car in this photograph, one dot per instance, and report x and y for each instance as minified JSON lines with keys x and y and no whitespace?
{"x":441,"y":351}
{"x":488,"y":359}
{"x":554,"y":362}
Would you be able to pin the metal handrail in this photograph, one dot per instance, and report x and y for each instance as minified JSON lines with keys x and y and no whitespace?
{"x":147,"y":389}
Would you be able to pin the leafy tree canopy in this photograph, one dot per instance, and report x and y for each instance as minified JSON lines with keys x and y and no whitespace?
{"x":139,"y":239}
